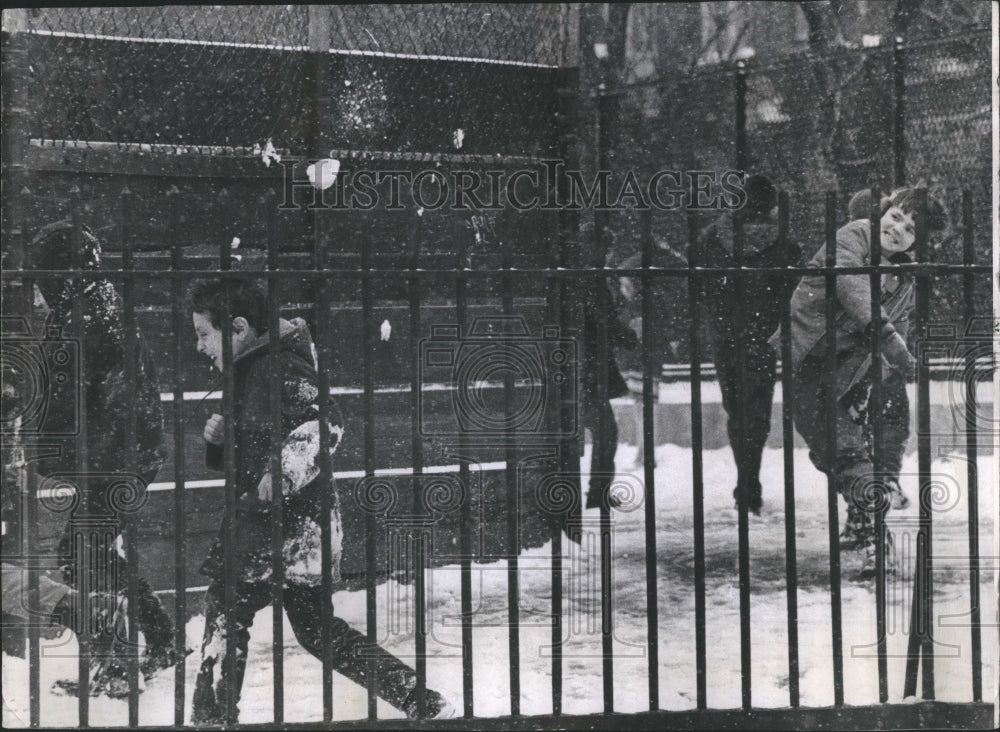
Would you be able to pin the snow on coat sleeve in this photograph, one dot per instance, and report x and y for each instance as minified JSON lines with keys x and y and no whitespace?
{"x":300,"y":463}
{"x":300,"y":454}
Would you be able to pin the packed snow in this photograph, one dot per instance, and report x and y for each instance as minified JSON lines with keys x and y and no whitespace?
{"x":582,"y":679}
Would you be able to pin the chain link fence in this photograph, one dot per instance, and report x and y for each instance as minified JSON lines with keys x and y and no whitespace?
{"x":180,"y":90}
{"x":228,"y":79}
{"x":816,"y":124}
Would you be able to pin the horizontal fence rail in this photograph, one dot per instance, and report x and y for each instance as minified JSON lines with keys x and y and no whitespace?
{"x":421,"y":491}
{"x":417,"y":452}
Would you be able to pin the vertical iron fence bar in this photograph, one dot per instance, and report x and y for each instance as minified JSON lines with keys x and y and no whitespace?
{"x":319,"y":37}
{"x":368,"y":399}
{"x":29,"y":490}
{"x":878,"y":447}
{"x":465,"y":515}
{"x":34,"y":655}
{"x":648,"y":451}
{"x":605,"y":115}
{"x":831,"y":450}
{"x":899,"y":112}
{"x":913,"y":641}
{"x":697,"y":467}
{"x":31,"y":476}
{"x":229,"y":451}
{"x":275,"y":387}
{"x":512,"y":505}
{"x":179,"y":327}
{"x":788,"y":444}
{"x":417,"y":456}
{"x":27,"y":480}
{"x":924,"y":457}
{"x":81,"y":538}
{"x":743,"y":526}
{"x":919,"y":615}
{"x":131,"y":455}
{"x":322,"y":305}
{"x":743,"y":518}
{"x":971,"y":445}
{"x":554,"y":314}
{"x":555,"y":577}
{"x":564,"y":255}
{"x":601,"y":429}
{"x":557,"y":286}
{"x":740,"y":79}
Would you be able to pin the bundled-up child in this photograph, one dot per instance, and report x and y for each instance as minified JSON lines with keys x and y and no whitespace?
{"x":865,"y":487}
{"x":301,"y":489}
{"x":89,"y":314}
{"x":746,"y":316}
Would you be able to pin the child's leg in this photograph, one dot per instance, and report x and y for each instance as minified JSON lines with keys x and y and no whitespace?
{"x":16,"y":594}
{"x":351,"y":652}
{"x":211,"y":693}
{"x":810,"y":406}
{"x":748,"y":447}
{"x":599,"y":418}
{"x":895,"y":424}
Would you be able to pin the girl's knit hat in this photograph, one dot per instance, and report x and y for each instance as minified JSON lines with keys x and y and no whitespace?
{"x":860,"y":205}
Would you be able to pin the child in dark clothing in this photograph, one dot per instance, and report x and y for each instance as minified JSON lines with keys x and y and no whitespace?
{"x":596,"y":412}
{"x":89,"y":313}
{"x":749,"y":317}
{"x":300,"y":488}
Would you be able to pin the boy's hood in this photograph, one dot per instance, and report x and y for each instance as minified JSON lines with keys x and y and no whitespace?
{"x":293,"y":336}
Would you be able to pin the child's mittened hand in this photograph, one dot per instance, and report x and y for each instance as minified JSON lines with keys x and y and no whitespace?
{"x":214,"y":430}
{"x":895,"y":350}
{"x":265,"y":490}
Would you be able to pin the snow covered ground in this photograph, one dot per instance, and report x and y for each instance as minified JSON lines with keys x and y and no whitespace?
{"x":581,"y":613}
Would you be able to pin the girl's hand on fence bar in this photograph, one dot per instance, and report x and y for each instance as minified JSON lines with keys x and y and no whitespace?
{"x":265,"y":490}
{"x":214,"y":430}
{"x":897,"y":353}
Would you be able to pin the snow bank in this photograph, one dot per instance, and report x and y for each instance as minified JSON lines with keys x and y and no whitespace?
{"x":581,"y":612}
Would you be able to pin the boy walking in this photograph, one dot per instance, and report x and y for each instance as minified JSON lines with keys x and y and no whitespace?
{"x":103,"y":340}
{"x":301,"y":490}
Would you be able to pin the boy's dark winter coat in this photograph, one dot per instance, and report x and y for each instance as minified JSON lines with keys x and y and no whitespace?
{"x":253,"y":376}
{"x":101,"y":344}
{"x":619,"y":335}
{"x":763,"y":295}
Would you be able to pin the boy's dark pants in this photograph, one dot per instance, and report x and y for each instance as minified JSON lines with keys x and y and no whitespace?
{"x":758,"y":372}
{"x":852,"y":462}
{"x":350,"y":650}
{"x":599,"y":417}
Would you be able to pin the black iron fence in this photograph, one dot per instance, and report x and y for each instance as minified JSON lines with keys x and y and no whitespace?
{"x":453,"y":341}
{"x":903,"y":113}
{"x":412,"y":518}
